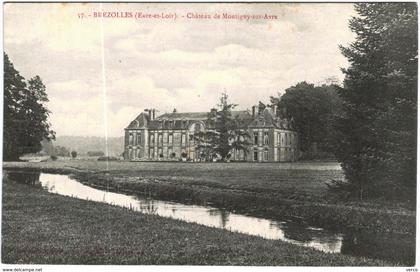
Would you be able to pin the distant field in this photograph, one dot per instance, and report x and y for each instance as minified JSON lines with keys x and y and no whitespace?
{"x":301,"y":178}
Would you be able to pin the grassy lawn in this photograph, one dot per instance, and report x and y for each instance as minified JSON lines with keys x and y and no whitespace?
{"x":288,"y":179}
{"x":43,"y":228}
{"x":262,"y":189}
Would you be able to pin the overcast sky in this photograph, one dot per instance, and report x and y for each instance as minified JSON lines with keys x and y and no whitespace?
{"x":166,"y":64}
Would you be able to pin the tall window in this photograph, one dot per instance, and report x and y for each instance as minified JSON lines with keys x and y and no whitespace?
{"x":160,"y":139}
{"x":265,"y":138}
{"x":139,"y":138}
{"x":255,"y":155}
{"x":265,"y":155}
{"x":183,"y":139}
{"x":152,"y":139}
{"x":130,"y":139}
{"x":170,"y":138}
{"x":256,"y":138}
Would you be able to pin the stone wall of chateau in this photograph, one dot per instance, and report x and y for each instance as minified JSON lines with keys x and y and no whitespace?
{"x":169,"y":137}
{"x":269,"y":145}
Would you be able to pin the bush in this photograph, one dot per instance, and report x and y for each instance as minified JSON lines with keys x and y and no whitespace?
{"x":108,"y":158}
{"x":53,"y":157}
{"x":95,"y":153}
{"x":73,"y":154}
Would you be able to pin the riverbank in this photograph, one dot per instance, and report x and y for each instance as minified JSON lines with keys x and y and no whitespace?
{"x":295,"y":190}
{"x":43,"y":228}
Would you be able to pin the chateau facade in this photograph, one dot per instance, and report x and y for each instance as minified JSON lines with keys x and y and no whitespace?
{"x":170,"y":136}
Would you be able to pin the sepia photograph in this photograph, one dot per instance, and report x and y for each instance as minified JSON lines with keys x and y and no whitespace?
{"x":276,"y":134}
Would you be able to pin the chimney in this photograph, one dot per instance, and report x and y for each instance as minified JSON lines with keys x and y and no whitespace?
{"x":174,"y":110}
{"x":153,"y":114}
{"x":253,"y":111}
{"x":274,"y":107}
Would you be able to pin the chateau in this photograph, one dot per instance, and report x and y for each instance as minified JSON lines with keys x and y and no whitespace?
{"x":170,"y":136}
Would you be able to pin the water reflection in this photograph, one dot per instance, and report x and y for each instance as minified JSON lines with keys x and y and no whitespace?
{"x":390,"y":247}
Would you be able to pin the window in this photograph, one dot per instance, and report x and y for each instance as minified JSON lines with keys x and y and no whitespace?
{"x":160,"y":153}
{"x":256,"y":138}
{"x":170,"y":139}
{"x":255,"y":155}
{"x":152,"y":139}
{"x":130,"y":139}
{"x":265,"y":138}
{"x":265,"y":155}
{"x":130,"y":153}
{"x":183,"y":139}
{"x":139,"y":138}
{"x":160,"y":139}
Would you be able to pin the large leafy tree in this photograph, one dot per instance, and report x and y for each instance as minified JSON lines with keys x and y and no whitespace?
{"x":312,"y":109}
{"x":378,"y":137}
{"x":25,"y":114}
{"x":225,"y":132}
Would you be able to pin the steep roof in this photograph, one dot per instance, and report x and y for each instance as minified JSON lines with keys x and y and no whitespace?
{"x":183,"y":115}
{"x":140,"y":122}
{"x":182,"y":120}
{"x":265,"y":119}
{"x":268,"y":119}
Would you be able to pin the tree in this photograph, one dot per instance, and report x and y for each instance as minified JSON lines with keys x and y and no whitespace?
{"x":312,"y":109}
{"x":25,"y":114}
{"x":378,"y":134}
{"x":73,"y":154}
{"x":225,"y":133}
{"x":14,"y":89}
{"x":95,"y":153}
{"x":61,"y":151}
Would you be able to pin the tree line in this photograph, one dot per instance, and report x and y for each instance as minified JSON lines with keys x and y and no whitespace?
{"x":370,"y":123}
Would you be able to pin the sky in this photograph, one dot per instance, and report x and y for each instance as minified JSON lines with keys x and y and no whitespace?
{"x":101,"y":72}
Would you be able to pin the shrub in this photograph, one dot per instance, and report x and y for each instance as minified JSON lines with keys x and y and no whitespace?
{"x":107,"y":158}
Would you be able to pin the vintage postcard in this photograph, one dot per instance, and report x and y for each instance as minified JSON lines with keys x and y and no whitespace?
{"x":229,"y":134}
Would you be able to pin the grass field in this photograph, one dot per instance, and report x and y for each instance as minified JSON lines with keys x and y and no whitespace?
{"x":289,"y":179}
{"x":43,"y":228}
{"x":262,"y":189}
